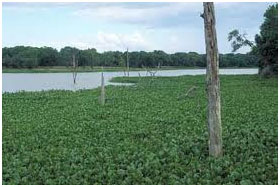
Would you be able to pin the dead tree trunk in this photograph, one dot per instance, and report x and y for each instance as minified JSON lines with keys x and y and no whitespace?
{"x":75,"y":64}
{"x":213,"y":82}
{"x":127,"y":62}
{"x":102,"y":96}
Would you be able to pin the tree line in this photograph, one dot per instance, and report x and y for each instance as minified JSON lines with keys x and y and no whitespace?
{"x":32,"y":57}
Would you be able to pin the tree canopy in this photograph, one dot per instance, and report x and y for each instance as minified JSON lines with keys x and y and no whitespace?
{"x":265,"y":46}
{"x":267,"y":41}
{"x":31,"y":57}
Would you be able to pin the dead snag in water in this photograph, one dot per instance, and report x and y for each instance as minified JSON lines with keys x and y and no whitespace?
{"x":75,"y":65}
{"x":102,"y":96}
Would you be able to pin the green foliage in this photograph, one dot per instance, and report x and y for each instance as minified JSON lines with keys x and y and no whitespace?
{"x":66,"y":55}
{"x":47,"y":56}
{"x":144,"y":134}
{"x":267,"y":40}
{"x":31,"y":57}
{"x":20,"y":57}
{"x":238,"y":40}
{"x":266,"y":43}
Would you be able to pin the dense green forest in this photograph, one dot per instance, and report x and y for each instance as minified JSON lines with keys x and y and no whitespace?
{"x":31,"y":57}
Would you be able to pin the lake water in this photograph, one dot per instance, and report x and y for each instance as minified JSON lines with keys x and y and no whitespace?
{"x":13,"y":82}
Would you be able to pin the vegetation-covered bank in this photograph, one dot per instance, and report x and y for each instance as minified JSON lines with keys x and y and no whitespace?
{"x":63,"y":69}
{"x":149,"y":133}
{"x":81,"y":69}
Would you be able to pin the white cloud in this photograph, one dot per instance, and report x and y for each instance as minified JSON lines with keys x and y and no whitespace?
{"x":102,"y":41}
{"x":185,"y":41}
{"x":113,"y":41}
{"x":145,"y":14}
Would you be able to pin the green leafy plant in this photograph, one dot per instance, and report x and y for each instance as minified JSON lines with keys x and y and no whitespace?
{"x":142,"y":135}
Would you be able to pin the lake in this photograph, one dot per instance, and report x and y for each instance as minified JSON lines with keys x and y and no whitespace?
{"x":13,"y":82}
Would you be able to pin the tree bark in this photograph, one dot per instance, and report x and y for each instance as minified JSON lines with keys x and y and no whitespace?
{"x":102,"y":96}
{"x":74,"y":68}
{"x":212,"y":82}
{"x":127,"y":62}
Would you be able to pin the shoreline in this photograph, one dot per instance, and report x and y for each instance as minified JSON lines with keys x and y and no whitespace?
{"x":106,"y":69}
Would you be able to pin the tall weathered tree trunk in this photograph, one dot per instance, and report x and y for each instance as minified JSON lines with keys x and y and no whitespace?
{"x":102,"y":95}
{"x":75,"y":64}
{"x":213,"y":82}
{"x":127,"y":62}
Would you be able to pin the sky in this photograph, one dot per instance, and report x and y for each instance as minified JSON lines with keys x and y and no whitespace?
{"x":171,"y":27}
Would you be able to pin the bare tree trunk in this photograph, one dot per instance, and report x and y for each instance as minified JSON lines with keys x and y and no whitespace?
{"x":75,"y":64}
{"x":127,"y":62}
{"x":102,"y":97}
{"x":91,"y":63}
{"x":213,"y":82}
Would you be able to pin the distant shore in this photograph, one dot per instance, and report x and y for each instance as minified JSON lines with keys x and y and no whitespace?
{"x":63,"y":69}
